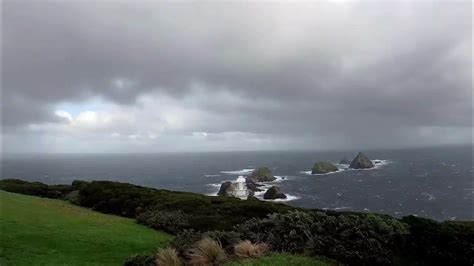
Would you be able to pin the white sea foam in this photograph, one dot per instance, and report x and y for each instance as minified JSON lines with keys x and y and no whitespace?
{"x":337,"y":208}
{"x":212,"y":175}
{"x":238,"y":172}
{"x":430,"y":196}
{"x":217,"y":185}
{"x":280,"y":179}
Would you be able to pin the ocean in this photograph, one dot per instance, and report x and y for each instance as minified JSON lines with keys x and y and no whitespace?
{"x":435,"y":183}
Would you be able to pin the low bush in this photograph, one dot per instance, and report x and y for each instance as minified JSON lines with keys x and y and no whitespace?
{"x":203,"y":211}
{"x":186,"y":241}
{"x":227,"y":238}
{"x":352,"y":239}
{"x":207,"y":252}
{"x":35,"y":188}
{"x":168,"y":257}
{"x":169,"y":221}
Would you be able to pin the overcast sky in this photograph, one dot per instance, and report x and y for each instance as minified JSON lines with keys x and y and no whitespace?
{"x":103,"y":76}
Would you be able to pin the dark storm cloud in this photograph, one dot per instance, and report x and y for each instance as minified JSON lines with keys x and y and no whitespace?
{"x":346,"y":70}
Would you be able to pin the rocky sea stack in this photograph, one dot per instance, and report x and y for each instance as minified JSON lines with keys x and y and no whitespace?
{"x":262,"y":174}
{"x":361,"y":161}
{"x":323,"y":168}
{"x":274,"y":192}
{"x":227,"y":189}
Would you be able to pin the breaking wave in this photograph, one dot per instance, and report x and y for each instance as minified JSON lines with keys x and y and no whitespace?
{"x":238,"y":172}
{"x":212,"y":175}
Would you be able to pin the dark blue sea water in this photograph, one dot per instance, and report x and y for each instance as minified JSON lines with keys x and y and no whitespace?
{"x":429,"y":182}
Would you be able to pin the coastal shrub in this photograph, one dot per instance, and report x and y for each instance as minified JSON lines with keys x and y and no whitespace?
{"x":419,"y":225}
{"x":352,"y":239}
{"x":227,"y":238}
{"x":284,"y":232}
{"x":245,"y":249}
{"x":438,"y":249}
{"x":185,"y":241}
{"x":168,"y":221}
{"x":35,"y":188}
{"x":140,"y":260}
{"x":203,"y":211}
{"x":207,"y":252}
{"x":168,"y":257}
{"x":72,"y":197}
{"x":440,"y":243}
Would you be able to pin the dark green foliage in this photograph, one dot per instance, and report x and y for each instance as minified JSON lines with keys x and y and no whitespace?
{"x":185,"y":241}
{"x":437,"y":249}
{"x":435,"y":243}
{"x":169,"y":221}
{"x":79,"y":184}
{"x":348,"y":238}
{"x":205,"y":213}
{"x":353,"y":238}
{"x":35,"y":188}
{"x":141,"y":260}
{"x":423,"y":225}
{"x":227,"y":238}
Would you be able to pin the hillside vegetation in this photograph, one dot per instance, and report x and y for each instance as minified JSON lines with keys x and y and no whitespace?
{"x":347,"y":237}
{"x":39,"y":231}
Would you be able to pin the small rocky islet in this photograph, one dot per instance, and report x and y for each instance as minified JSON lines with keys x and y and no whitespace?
{"x":264,"y":174}
{"x":275,"y":192}
{"x":321,"y":167}
{"x":361,"y":161}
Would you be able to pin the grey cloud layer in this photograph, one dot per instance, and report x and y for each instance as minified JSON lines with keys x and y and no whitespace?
{"x":352,"y":71}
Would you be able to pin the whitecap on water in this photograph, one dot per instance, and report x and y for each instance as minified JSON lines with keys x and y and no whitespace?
{"x":337,"y":208}
{"x":280,"y":179}
{"x":238,"y":172}
{"x":217,"y":185}
{"x":212,"y":175}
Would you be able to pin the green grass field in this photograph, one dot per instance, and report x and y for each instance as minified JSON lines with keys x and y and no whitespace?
{"x":38,"y":231}
{"x":281,"y":259}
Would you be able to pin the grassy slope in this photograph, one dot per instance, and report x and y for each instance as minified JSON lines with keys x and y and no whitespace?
{"x":38,"y":231}
{"x":281,"y":259}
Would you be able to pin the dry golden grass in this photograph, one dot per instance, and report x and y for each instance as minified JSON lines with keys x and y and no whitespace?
{"x":168,"y":257}
{"x":245,"y":249}
{"x":207,"y":252}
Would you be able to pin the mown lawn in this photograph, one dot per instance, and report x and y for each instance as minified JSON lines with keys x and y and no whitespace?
{"x":281,"y":259}
{"x":38,"y":231}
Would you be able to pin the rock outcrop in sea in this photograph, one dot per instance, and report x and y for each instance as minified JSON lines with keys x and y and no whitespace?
{"x":227,"y":189}
{"x":262,"y":174}
{"x":253,"y":186}
{"x":274,"y":192}
{"x":323,"y":168}
{"x":361,"y":161}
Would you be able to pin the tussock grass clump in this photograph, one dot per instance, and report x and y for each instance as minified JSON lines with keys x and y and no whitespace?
{"x":207,"y":252}
{"x":245,"y":249}
{"x":168,"y":257}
